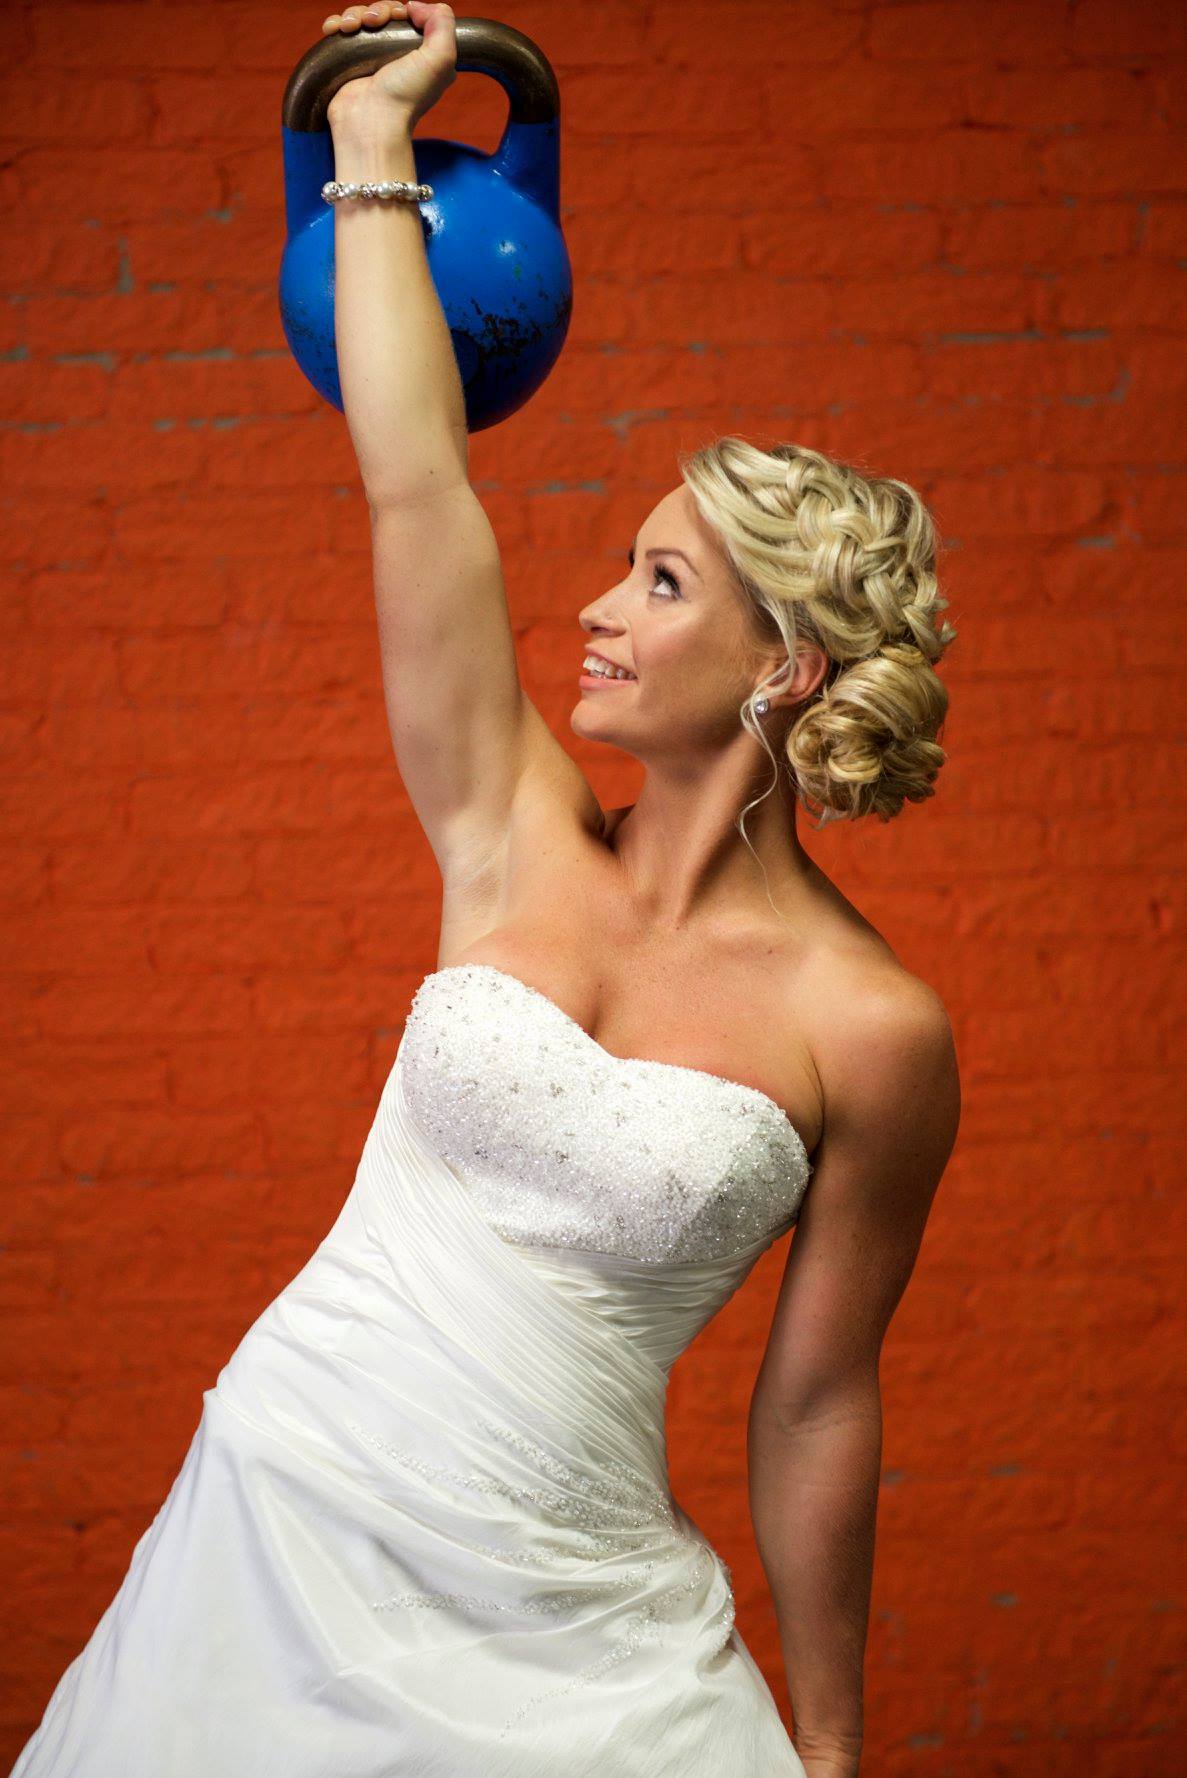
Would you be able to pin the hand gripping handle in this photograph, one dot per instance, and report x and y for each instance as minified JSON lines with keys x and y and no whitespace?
{"x":484,"y":46}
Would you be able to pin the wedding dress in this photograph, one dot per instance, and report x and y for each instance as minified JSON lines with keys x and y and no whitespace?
{"x":425,"y":1525}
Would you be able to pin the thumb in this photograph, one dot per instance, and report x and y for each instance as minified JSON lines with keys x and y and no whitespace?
{"x":435,"y":22}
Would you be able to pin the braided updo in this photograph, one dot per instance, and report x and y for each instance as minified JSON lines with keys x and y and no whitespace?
{"x":847,"y":561}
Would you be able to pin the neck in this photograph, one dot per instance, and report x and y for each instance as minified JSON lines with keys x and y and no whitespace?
{"x":684,"y":860}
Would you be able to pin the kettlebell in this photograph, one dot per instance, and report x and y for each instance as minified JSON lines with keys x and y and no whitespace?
{"x":492,"y":229}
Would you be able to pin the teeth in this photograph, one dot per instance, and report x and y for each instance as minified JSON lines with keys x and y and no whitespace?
{"x":593,"y":664}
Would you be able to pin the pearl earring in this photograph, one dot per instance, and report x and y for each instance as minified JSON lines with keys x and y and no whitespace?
{"x":761,"y":706}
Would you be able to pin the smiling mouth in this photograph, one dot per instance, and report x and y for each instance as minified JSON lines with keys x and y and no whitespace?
{"x":600,"y":679}
{"x":608,"y":674}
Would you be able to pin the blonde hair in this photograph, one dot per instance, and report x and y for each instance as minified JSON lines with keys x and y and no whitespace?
{"x":845,"y":560}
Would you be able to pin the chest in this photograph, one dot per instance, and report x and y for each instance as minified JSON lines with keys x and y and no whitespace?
{"x":567,"y":1144}
{"x":729,"y":1004}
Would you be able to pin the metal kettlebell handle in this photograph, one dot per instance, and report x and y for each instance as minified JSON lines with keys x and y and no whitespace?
{"x":484,"y":46}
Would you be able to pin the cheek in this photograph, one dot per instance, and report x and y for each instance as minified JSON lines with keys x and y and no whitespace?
{"x":689,"y":682}
{"x":673,"y":649}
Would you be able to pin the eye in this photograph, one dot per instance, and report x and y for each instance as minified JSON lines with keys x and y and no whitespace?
{"x":661,"y":574}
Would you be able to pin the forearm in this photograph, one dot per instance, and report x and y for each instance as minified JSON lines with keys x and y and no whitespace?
{"x":401,"y":390}
{"x":813,"y":1499}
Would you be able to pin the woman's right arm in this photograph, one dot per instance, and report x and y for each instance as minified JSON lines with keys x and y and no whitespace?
{"x":464,"y":733}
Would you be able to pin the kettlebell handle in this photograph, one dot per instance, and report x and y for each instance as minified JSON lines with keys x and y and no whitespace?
{"x":484,"y":46}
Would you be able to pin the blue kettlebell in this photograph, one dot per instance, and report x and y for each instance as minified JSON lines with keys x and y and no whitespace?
{"x":492,"y":227}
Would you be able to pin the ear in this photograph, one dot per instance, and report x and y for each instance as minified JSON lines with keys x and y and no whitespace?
{"x":811,"y":665}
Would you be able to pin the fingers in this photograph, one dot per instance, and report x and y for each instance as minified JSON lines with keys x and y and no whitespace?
{"x":355,"y":18}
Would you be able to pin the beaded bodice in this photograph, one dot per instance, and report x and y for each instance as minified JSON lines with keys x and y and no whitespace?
{"x":565,"y":1145}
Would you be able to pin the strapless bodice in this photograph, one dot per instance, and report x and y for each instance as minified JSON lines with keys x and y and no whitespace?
{"x":565,"y":1145}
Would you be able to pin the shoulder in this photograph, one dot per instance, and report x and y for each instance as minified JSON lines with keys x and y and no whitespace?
{"x":896,"y":1020}
{"x":892,"y":1104}
{"x":886,"y":1053}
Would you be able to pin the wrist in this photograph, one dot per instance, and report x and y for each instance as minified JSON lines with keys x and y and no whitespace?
{"x":373,"y":157}
{"x":829,"y":1757}
{"x":361,"y":123}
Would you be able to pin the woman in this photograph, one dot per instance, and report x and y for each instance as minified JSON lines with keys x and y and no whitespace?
{"x":425,"y":1524}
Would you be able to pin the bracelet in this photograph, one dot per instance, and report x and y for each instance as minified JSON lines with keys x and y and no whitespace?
{"x":407,"y":191}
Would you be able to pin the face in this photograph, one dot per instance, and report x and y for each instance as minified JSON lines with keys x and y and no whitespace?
{"x":679,"y":622}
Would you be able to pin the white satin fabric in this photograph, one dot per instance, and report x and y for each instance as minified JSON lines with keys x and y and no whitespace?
{"x":425,"y":1527}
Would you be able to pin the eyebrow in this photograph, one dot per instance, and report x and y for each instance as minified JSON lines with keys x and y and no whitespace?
{"x":662,"y":550}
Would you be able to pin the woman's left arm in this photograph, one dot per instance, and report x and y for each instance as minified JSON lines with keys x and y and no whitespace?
{"x":892,"y":1106}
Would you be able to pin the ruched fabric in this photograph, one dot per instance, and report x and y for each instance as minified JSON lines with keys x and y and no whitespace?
{"x":425,"y":1526}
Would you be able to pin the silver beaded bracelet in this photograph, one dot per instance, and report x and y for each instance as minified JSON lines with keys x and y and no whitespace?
{"x":405,"y":190}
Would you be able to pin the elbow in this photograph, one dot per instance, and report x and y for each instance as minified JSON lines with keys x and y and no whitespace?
{"x":419,"y":492}
{"x":820,"y":1405}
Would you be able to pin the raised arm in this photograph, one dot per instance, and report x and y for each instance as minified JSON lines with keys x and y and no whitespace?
{"x":465,"y":735}
{"x":815,"y":1431}
{"x":401,"y":391}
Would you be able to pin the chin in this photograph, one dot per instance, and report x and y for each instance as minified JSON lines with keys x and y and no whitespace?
{"x":587,"y":722}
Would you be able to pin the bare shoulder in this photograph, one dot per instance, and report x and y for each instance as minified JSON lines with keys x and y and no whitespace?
{"x":882,"y":1039}
{"x":890,"y":1085}
{"x":888,"y":1066}
{"x":890,"y":1043}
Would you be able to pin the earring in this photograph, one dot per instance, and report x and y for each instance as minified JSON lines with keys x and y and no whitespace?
{"x":761,"y":706}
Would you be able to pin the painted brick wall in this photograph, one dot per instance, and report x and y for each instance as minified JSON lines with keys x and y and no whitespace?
{"x":945,"y":240}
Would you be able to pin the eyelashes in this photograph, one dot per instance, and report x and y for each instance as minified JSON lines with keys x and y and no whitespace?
{"x":661,"y":574}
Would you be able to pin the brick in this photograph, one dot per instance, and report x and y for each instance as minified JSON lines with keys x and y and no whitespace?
{"x":950,"y":167}
{"x":100,"y":109}
{"x":1060,"y":99}
{"x":44,"y":259}
{"x":1108,"y":163}
{"x":805,"y":33}
{"x":113,"y":184}
{"x":1148,"y":32}
{"x":80,"y":390}
{"x":1055,"y":233}
{"x":133,"y":38}
{"x":31,"y":529}
{"x":191,"y":870}
{"x":851,"y":94}
{"x":805,"y":242}
{"x":961,"y":30}
{"x":625,"y":109}
{"x":68,"y":598}
{"x":221,"y":523}
{"x":213,"y":320}
{"x":1162,"y":228}
{"x":1139,"y":295}
{"x":213,"y":105}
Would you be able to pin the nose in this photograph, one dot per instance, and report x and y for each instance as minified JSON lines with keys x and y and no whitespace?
{"x":595,"y":616}
{"x":599,"y":613}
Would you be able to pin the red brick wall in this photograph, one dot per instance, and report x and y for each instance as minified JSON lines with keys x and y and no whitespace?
{"x":945,"y":240}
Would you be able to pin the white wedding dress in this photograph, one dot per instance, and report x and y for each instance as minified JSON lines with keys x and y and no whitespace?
{"x":424,"y":1528}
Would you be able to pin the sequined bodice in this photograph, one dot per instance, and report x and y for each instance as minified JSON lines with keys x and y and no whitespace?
{"x":566,"y":1145}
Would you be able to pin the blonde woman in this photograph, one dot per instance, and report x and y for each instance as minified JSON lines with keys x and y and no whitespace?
{"x":425,"y":1524}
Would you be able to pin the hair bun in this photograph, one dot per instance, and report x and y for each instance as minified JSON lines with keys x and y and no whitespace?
{"x":847,"y":561}
{"x":868,"y":745}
